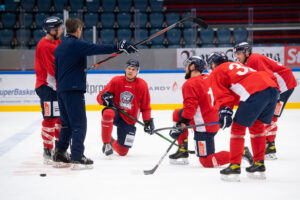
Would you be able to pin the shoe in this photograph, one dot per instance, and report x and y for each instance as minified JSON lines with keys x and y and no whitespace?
{"x":257,"y":170}
{"x":61,"y":159}
{"x":48,"y":156}
{"x":107,"y":149}
{"x":231,"y":173}
{"x":84,"y":163}
{"x":248,"y":156}
{"x":180,"y":157}
{"x":270,"y":153}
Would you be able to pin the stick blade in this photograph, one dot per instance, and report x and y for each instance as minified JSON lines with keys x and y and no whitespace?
{"x":151,"y":171}
{"x":198,"y":21}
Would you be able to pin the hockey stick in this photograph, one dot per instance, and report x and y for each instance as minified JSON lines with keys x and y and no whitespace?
{"x":151,"y":171}
{"x":198,"y":21}
{"x":185,"y":127}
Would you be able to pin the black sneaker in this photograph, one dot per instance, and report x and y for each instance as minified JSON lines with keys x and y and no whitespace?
{"x":84,"y":163}
{"x":180,"y":157}
{"x":248,"y":156}
{"x":61,"y":159}
{"x":48,"y":156}
{"x":270,"y":153}
{"x":231,"y":173}
{"x":257,"y":170}
{"x":107,"y":149}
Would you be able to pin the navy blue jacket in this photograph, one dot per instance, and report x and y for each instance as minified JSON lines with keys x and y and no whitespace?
{"x":70,"y":62}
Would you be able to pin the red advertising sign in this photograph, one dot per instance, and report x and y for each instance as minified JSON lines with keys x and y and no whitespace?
{"x":292,"y":56}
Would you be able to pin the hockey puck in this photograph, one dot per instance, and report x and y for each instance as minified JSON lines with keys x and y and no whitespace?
{"x":43,"y":175}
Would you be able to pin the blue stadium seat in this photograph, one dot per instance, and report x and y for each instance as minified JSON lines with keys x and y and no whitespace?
{"x":25,"y":22}
{"x":23,"y":36}
{"x":140,"y":34}
{"x":37,"y":35}
{"x":92,"y":5}
{"x":173,"y":46}
{"x":224,"y":36}
{"x":174,"y":36}
{"x":8,"y":20}
{"x":39,"y":19}
{"x":190,"y":36}
{"x":59,"y":5}
{"x":240,"y":35}
{"x":60,"y":15}
{"x":208,"y":45}
{"x":187,"y":24}
{"x":124,"y":20}
{"x":225,"y":45}
{"x":44,"y":5}
{"x":90,"y":20}
{"x":10,"y":5}
{"x":75,"y":15}
{"x":108,"y":5}
{"x":88,"y":35}
{"x":6,"y":37}
{"x":124,"y":34}
{"x":207,"y":36}
{"x":172,"y":18}
{"x":140,"y":20}
{"x":156,"y":5}
{"x":157,"y":46}
{"x":124,"y":5}
{"x":157,"y":40}
{"x":107,"y":20}
{"x":141,"y":5}
{"x":156,"y":20}
{"x":76,"y":5}
{"x":107,"y":36}
{"x":27,"y":5}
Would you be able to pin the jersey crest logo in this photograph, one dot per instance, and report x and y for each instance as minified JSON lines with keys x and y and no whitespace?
{"x":126,"y":99}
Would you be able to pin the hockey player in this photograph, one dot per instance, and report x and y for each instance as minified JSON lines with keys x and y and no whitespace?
{"x":197,"y":108}
{"x":45,"y":86}
{"x":257,"y":95}
{"x":70,"y":63}
{"x":284,"y":78}
{"x":130,"y":94}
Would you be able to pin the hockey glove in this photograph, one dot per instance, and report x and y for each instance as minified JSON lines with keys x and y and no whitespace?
{"x":225,"y":117}
{"x":108,"y":99}
{"x":175,"y":133}
{"x":149,"y":126}
{"x":126,"y":47}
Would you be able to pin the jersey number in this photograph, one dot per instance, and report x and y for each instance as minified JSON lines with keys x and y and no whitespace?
{"x":243,"y":70}
{"x":210,"y":93}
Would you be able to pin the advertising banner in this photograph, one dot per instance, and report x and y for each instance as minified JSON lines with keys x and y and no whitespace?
{"x":292,"y":56}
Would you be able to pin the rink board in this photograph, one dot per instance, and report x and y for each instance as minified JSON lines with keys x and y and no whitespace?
{"x":17,"y":90}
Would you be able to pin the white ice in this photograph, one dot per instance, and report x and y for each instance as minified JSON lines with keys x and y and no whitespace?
{"x":122,"y":177}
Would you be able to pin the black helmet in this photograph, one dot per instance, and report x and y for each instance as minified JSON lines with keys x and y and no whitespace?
{"x":52,"y":22}
{"x":133,"y":63}
{"x":199,"y":63}
{"x":243,"y":46}
{"x":217,"y":58}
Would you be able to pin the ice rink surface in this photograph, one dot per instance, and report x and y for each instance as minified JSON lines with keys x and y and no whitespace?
{"x":122,"y":177}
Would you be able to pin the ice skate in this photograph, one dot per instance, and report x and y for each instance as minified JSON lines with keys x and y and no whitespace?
{"x":181,"y":156}
{"x":48,"y":156}
{"x":84,"y":163}
{"x":247,"y":156}
{"x":257,"y":170}
{"x":61,"y":159}
{"x":107,"y":149}
{"x":231,"y":173}
{"x":270,"y":153}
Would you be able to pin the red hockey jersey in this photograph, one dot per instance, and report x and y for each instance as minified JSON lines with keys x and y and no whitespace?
{"x":230,"y":79}
{"x":44,"y":63}
{"x":198,"y":103}
{"x":284,"y":75}
{"x":131,"y":97}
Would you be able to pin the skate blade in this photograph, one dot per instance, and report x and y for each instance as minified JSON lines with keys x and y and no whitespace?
{"x":179,"y":161}
{"x":230,"y":178}
{"x":257,"y":175}
{"x":271,"y":156}
{"x":81,"y":167}
{"x":61,"y":165}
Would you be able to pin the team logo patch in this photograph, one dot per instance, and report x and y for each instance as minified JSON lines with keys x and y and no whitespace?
{"x":126,"y":99}
{"x":47,"y":108}
{"x":202,"y":148}
{"x":278,"y":108}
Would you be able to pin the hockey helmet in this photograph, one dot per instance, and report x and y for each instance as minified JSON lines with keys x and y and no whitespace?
{"x":51,"y":22}
{"x":243,"y":46}
{"x":199,"y":63}
{"x":133,"y":63}
{"x":217,"y":58}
